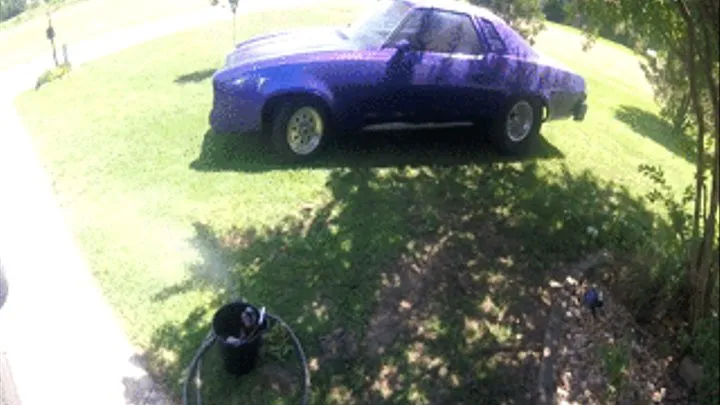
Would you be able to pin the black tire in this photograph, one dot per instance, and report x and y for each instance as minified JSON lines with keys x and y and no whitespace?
{"x":280,"y":126}
{"x":499,"y":130}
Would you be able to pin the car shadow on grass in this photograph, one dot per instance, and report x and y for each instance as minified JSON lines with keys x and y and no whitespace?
{"x":411,"y":284}
{"x":195,"y":77}
{"x":412,"y":148}
{"x":652,"y":126}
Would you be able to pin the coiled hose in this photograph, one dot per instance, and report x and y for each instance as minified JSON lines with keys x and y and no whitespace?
{"x":193,"y":371}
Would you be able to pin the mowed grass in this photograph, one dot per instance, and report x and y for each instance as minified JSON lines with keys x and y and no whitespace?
{"x":425,"y":252}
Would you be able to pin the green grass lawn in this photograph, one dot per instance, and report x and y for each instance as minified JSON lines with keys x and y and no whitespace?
{"x":426,"y":250}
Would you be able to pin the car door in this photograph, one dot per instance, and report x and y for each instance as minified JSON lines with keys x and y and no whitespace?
{"x":493,"y":74}
{"x":436,"y":81}
{"x":409,"y":73}
{"x":455,"y":53}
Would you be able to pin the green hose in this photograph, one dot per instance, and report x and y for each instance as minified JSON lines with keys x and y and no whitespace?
{"x":194,"y":369}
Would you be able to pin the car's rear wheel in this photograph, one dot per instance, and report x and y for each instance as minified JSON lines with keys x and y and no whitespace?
{"x":517,"y":127}
{"x":299,"y":129}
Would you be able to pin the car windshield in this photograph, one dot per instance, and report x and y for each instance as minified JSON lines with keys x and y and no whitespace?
{"x":373,"y":28}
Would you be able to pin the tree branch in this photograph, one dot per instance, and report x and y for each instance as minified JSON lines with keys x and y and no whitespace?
{"x":709,"y":66}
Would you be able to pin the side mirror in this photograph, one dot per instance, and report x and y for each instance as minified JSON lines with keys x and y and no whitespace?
{"x":403,"y":46}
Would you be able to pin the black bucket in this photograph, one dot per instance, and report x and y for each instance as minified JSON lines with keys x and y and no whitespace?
{"x":238,"y":357}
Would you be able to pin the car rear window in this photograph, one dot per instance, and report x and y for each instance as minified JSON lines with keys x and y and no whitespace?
{"x":492,"y":37}
{"x":515,"y":44}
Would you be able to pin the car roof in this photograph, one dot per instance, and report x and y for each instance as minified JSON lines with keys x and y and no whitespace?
{"x":514,"y":42}
{"x":459,"y":7}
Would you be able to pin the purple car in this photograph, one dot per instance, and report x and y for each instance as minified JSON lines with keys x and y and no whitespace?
{"x":406,"y":61}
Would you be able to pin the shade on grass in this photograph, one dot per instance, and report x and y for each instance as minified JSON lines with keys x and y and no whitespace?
{"x":432,"y":224}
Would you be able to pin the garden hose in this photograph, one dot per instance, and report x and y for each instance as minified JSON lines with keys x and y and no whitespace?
{"x":194,"y":369}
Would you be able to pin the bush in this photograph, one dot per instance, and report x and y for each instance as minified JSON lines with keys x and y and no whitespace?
{"x":53,"y":74}
{"x":616,"y":360}
{"x":11,"y":8}
{"x":704,"y":345}
{"x":555,"y":10}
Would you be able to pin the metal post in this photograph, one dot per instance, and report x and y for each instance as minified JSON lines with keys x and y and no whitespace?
{"x":233,"y":8}
{"x":52,"y":42}
{"x":66,"y":59}
{"x":50,"y":34}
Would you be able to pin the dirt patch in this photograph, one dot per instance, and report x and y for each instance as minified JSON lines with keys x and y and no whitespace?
{"x":458,"y":320}
{"x":608,"y":359}
{"x":402,"y":299}
{"x":340,"y":344}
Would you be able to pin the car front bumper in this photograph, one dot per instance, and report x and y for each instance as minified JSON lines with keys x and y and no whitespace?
{"x":234,"y":110}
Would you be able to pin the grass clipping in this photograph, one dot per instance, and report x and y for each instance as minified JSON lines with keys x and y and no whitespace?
{"x":52,"y":74}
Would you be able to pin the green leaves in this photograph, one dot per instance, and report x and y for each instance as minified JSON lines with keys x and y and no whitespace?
{"x":677,"y":207}
{"x":525,"y":16}
{"x":11,"y":8}
{"x":51,"y":75}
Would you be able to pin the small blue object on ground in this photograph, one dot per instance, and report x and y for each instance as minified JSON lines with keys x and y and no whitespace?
{"x":593,"y":300}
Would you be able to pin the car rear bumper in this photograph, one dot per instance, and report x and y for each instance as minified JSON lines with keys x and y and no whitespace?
{"x":580,"y":110}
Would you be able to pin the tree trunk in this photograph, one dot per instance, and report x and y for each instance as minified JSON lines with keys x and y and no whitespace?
{"x":712,"y":276}
{"x":708,"y":19}
{"x":709,"y":70}
{"x":700,"y":145}
{"x":688,"y":58}
{"x":707,"y":251}
{"x":700,"y":267}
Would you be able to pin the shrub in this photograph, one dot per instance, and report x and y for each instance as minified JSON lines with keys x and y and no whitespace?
{"x":53,"y":74}
{"x":555,"y":10}
{"x":11,"y":8}
{"x":616,"y":360}
{"x":704,"y":345}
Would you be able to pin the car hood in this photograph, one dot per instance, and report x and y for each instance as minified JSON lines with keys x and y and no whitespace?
{"x":288,"y":46}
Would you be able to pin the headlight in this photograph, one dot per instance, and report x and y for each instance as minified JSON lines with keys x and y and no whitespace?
{"x":260,"y":81}
{"x":241,"y":81}
{"x":249,"y":82}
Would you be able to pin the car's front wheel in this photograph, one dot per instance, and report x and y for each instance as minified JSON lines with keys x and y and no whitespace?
{"x":299,"y":129}
{"x":518,"y":125}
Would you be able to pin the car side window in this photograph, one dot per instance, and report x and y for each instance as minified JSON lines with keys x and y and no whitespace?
{"x":448,"y":32}
{"x":410,"y":27}
{"x":492,"y":37}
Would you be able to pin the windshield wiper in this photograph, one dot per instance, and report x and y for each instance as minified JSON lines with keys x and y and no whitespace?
{"x":342,"y":33}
